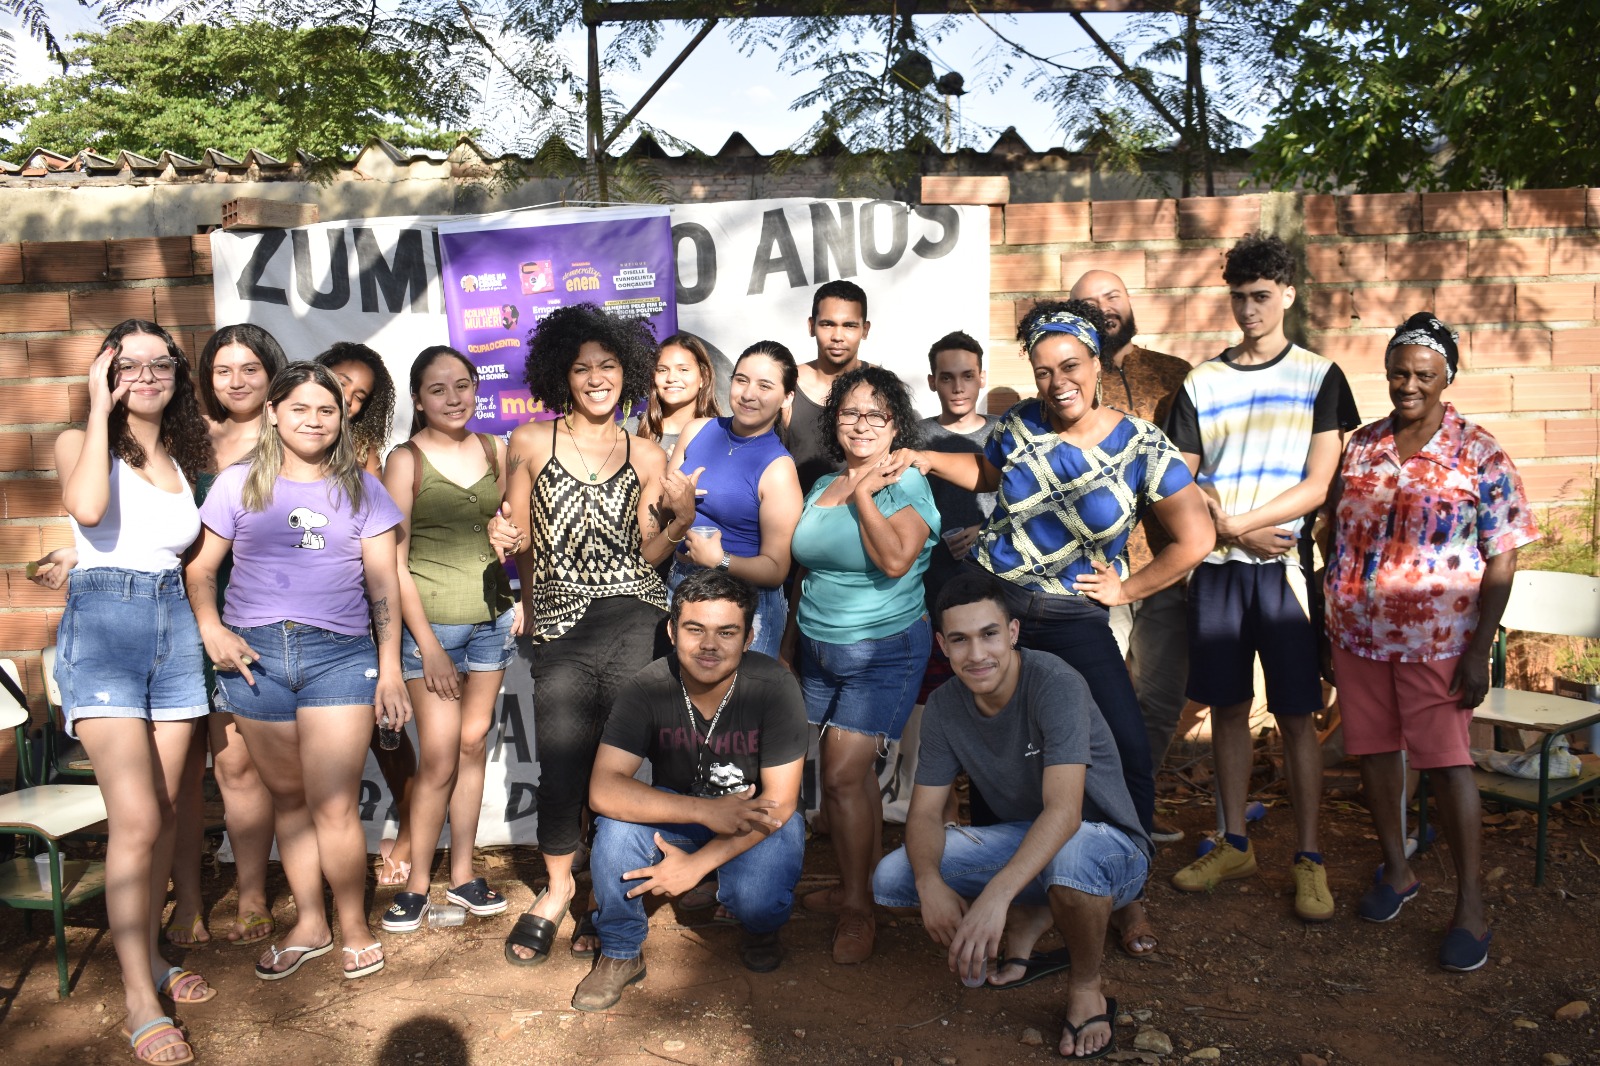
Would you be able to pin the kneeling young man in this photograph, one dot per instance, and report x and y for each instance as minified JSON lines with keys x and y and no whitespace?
{"x":725,"y":732}
{"x":1025,"y":729}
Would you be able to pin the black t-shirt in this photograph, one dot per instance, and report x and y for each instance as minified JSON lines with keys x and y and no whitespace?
{"x":763,"y":724}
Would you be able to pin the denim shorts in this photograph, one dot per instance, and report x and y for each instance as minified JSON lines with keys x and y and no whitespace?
{"x":478,"y":648}
{"x":299,"y":666}
{"x":128,"y":647}
{"x":1098,"y":860}
{"x":867,"y":687}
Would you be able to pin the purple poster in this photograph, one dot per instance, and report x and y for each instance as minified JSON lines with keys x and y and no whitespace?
{"x":503,"y":273}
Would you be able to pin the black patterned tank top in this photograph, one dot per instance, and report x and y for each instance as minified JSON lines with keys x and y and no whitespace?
{"x":586,"y":542}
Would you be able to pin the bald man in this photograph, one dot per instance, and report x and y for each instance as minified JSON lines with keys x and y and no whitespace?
{"x":1153,"y":632}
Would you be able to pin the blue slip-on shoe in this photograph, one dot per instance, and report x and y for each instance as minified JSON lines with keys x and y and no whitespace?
{"x":1381,"y":903}
{"x":1462,"y":952}
{"x":406,"y":913}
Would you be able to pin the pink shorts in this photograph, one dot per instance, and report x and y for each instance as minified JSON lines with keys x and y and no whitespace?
{"x":1388,"y":706}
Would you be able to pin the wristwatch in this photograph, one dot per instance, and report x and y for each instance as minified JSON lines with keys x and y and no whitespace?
{"x":727,"y":561}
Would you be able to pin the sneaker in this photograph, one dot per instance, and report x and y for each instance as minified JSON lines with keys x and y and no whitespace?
{"x":762,"y":952}
{"x":1165,"y":833}
{"x":853,"y":937}
{"x":603,"y":987}
{"x":406,"y":913}
{"x":1462,"y":952}
{"x":1382,"y":903}
{"x":1222,"y":863}
{"x":1312,"y":900}
{"x":478,"y":898}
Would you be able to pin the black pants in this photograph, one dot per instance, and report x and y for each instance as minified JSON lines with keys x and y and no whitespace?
{"x":575,"y":678}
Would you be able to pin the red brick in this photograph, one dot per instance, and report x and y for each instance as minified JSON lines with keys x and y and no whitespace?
{"x":1457,"y":212}
{"x":1371,"y":394}
{"x":1002,"y":318}
{"x":1135,"y":220}
{"x":1208,"y":313}
{"x":24,"y":630}
{"x":1047,"y":223}
{"x":44,"y":447}
{"x":16,"y":452}
{"x":34,"y":312}
{"x":1218,"y":216}
{"x":13,"y":359}
{"x":1514,"y":257}
{"x":1530,"y":208}
{"x":1575,"y":347}
{"x":1522,"y":438}
{"x":195,"y":343}
{"x":202,"y":254}
{"x":104,"y":308}
{"x":1572,"y":436}
{"x":33,"y":404}
{"x":1474,"y":393}
{"x":1575,"y":255}
{"x":1025,"y":272}
{"x":19,"y":544}
{"x":1461,"y":304}
{"x":1566,"y":301}
{"x":1329,"y":308}
{"x":1552,"y":391}
{"x":55,"y":536}
{"x":185,"y":305}
{"x":1183,"y":268}
{"x":1564,"y":482}
{"x":1356,"y":353}
{"x":1329,"y":263}
{"x":1321,"y":213}
{"x":1192,"y":350}
{"x":1161,"y":313}
{"x":1383,"y":212}
{"x":30,"y":498}
{"x":10,"y":264}
{"x":20,"y":592}
{"x":997,"y":225}
{"x":966,"y":190}
{"x":1389,"y":305}
{"x":1425,"y":260}
{"x":1129,"y":266}
{"x":1496,"y":348}
{"x":63,"y":261}
{"x":150,"y":257}
{"x":63,"y":357}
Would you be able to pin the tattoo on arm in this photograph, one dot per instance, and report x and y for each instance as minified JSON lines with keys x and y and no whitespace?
{"x":381,"y":620}
{"x":514,"y":463}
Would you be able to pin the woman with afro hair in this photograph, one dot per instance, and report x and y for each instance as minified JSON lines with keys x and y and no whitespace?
{"x":593,"y":511}
{"x":369,"y":397}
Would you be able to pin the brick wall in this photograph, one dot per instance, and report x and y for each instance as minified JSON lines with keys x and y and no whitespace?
{"x":1515,"y":272}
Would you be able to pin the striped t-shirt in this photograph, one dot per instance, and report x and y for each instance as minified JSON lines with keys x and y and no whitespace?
{"x":1252,"y":426}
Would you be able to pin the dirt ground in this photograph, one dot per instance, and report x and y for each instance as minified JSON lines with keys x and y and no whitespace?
{"x":1238,"y":979}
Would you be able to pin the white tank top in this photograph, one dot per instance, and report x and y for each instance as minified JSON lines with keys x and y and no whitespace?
{"x":144,"y":528}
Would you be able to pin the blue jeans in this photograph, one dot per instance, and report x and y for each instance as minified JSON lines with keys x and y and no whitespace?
{"x":867,"y":687}
{"x":299,"y":666}
{"x":1099,"y":860}
{"x":757,"y":886}
{"x":480,"y":648}
{"x":772,"y":609}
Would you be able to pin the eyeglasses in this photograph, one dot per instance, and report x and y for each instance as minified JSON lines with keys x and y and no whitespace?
{"x":160,"y":369}
{"x":850,"y":416}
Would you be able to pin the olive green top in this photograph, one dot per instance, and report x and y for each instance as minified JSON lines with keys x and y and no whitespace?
{"x":457,"y":575}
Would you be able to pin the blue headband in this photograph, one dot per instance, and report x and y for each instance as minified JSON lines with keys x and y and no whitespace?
{"x":1072,"y":325}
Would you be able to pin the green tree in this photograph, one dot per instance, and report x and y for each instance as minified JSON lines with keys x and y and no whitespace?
{"x":151,"y":86}
{"x":1437,"y":94}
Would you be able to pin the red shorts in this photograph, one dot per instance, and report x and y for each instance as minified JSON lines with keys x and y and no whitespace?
{"x":1388,"y":706}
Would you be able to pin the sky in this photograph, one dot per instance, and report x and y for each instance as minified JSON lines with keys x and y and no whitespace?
{"x":718,"y":91}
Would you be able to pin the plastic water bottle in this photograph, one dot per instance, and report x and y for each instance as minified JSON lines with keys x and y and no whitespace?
{"x":444,"y":915}
{"x":977,"y":980}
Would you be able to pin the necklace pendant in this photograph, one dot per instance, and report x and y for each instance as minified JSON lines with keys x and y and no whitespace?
{"x":594,"y":476}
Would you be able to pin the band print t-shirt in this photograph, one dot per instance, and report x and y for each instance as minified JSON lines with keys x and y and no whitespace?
{"x":300,"y":557}
{"x":763,"y":724}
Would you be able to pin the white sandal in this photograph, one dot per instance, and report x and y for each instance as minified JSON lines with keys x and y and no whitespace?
{"x":371,"y":967}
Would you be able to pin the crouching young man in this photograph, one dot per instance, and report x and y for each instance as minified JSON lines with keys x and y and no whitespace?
{"x":1023,"y":726}
{"x":725,"y":732}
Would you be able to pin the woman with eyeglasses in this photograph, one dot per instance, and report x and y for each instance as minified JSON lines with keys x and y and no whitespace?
{"x":129,"y":661}
{"x":862,"y":632}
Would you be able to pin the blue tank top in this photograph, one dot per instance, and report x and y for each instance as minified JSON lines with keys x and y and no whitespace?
{"x":731,"y":481}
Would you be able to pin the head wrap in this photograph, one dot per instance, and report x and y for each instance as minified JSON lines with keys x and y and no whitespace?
{"x":1426,"y":331}
{"x":1072,"y":325}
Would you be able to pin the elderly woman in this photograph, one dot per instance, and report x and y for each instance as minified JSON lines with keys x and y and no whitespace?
{"x":1428,"y":514}
{"x":1074,"y":477}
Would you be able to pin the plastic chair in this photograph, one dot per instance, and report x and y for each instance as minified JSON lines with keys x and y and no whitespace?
{"x":63,"y":756}
{"x":46,"y":813}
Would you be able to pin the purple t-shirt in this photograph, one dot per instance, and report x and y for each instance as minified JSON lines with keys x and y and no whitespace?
{"x":300,"y":559}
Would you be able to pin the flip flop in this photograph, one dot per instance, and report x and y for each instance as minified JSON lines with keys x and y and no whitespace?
{"x":140,"y":1042}
{"x":371,"y":967}
{"x":392,"y":872}
{"x":1110,"y":1020}
{"x":699,"y":898}
{"x":252,"y":930}
{"x":187,"y":938}
{"x":1129,"y":938}
{"x":178,"y":985}
{"x":1039,"y":964}
{"x":533,"y":932}
{"x":306,"y":954}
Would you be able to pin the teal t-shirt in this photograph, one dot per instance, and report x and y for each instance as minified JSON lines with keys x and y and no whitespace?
{"x":845,"y":597}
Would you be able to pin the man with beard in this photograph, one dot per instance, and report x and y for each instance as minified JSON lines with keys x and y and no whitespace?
{"x":725,"y":732}
{"x":1066,"y":844}
{"x":1152,"y":632}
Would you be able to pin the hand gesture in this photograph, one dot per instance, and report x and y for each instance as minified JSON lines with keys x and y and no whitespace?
{"x":229,"y":653}
{"x":678,"y":492}
{"x":439,"y":673}
{"x":897,"y":461}
{"x":1104,"y":586}
{"x":739,"y":813}
{"x":879,"y":475}
{"x":51,"y":571}
{"x":102,"y":395}
{"x":504,"y":536}
{"x":675,"y":874}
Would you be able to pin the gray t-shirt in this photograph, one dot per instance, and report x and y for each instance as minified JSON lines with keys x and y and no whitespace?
{"x":1051,"y":720}
{"x":958,"y":507}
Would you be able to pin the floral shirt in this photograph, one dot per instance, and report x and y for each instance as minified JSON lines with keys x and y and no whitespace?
{"x":1411,"y":539}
